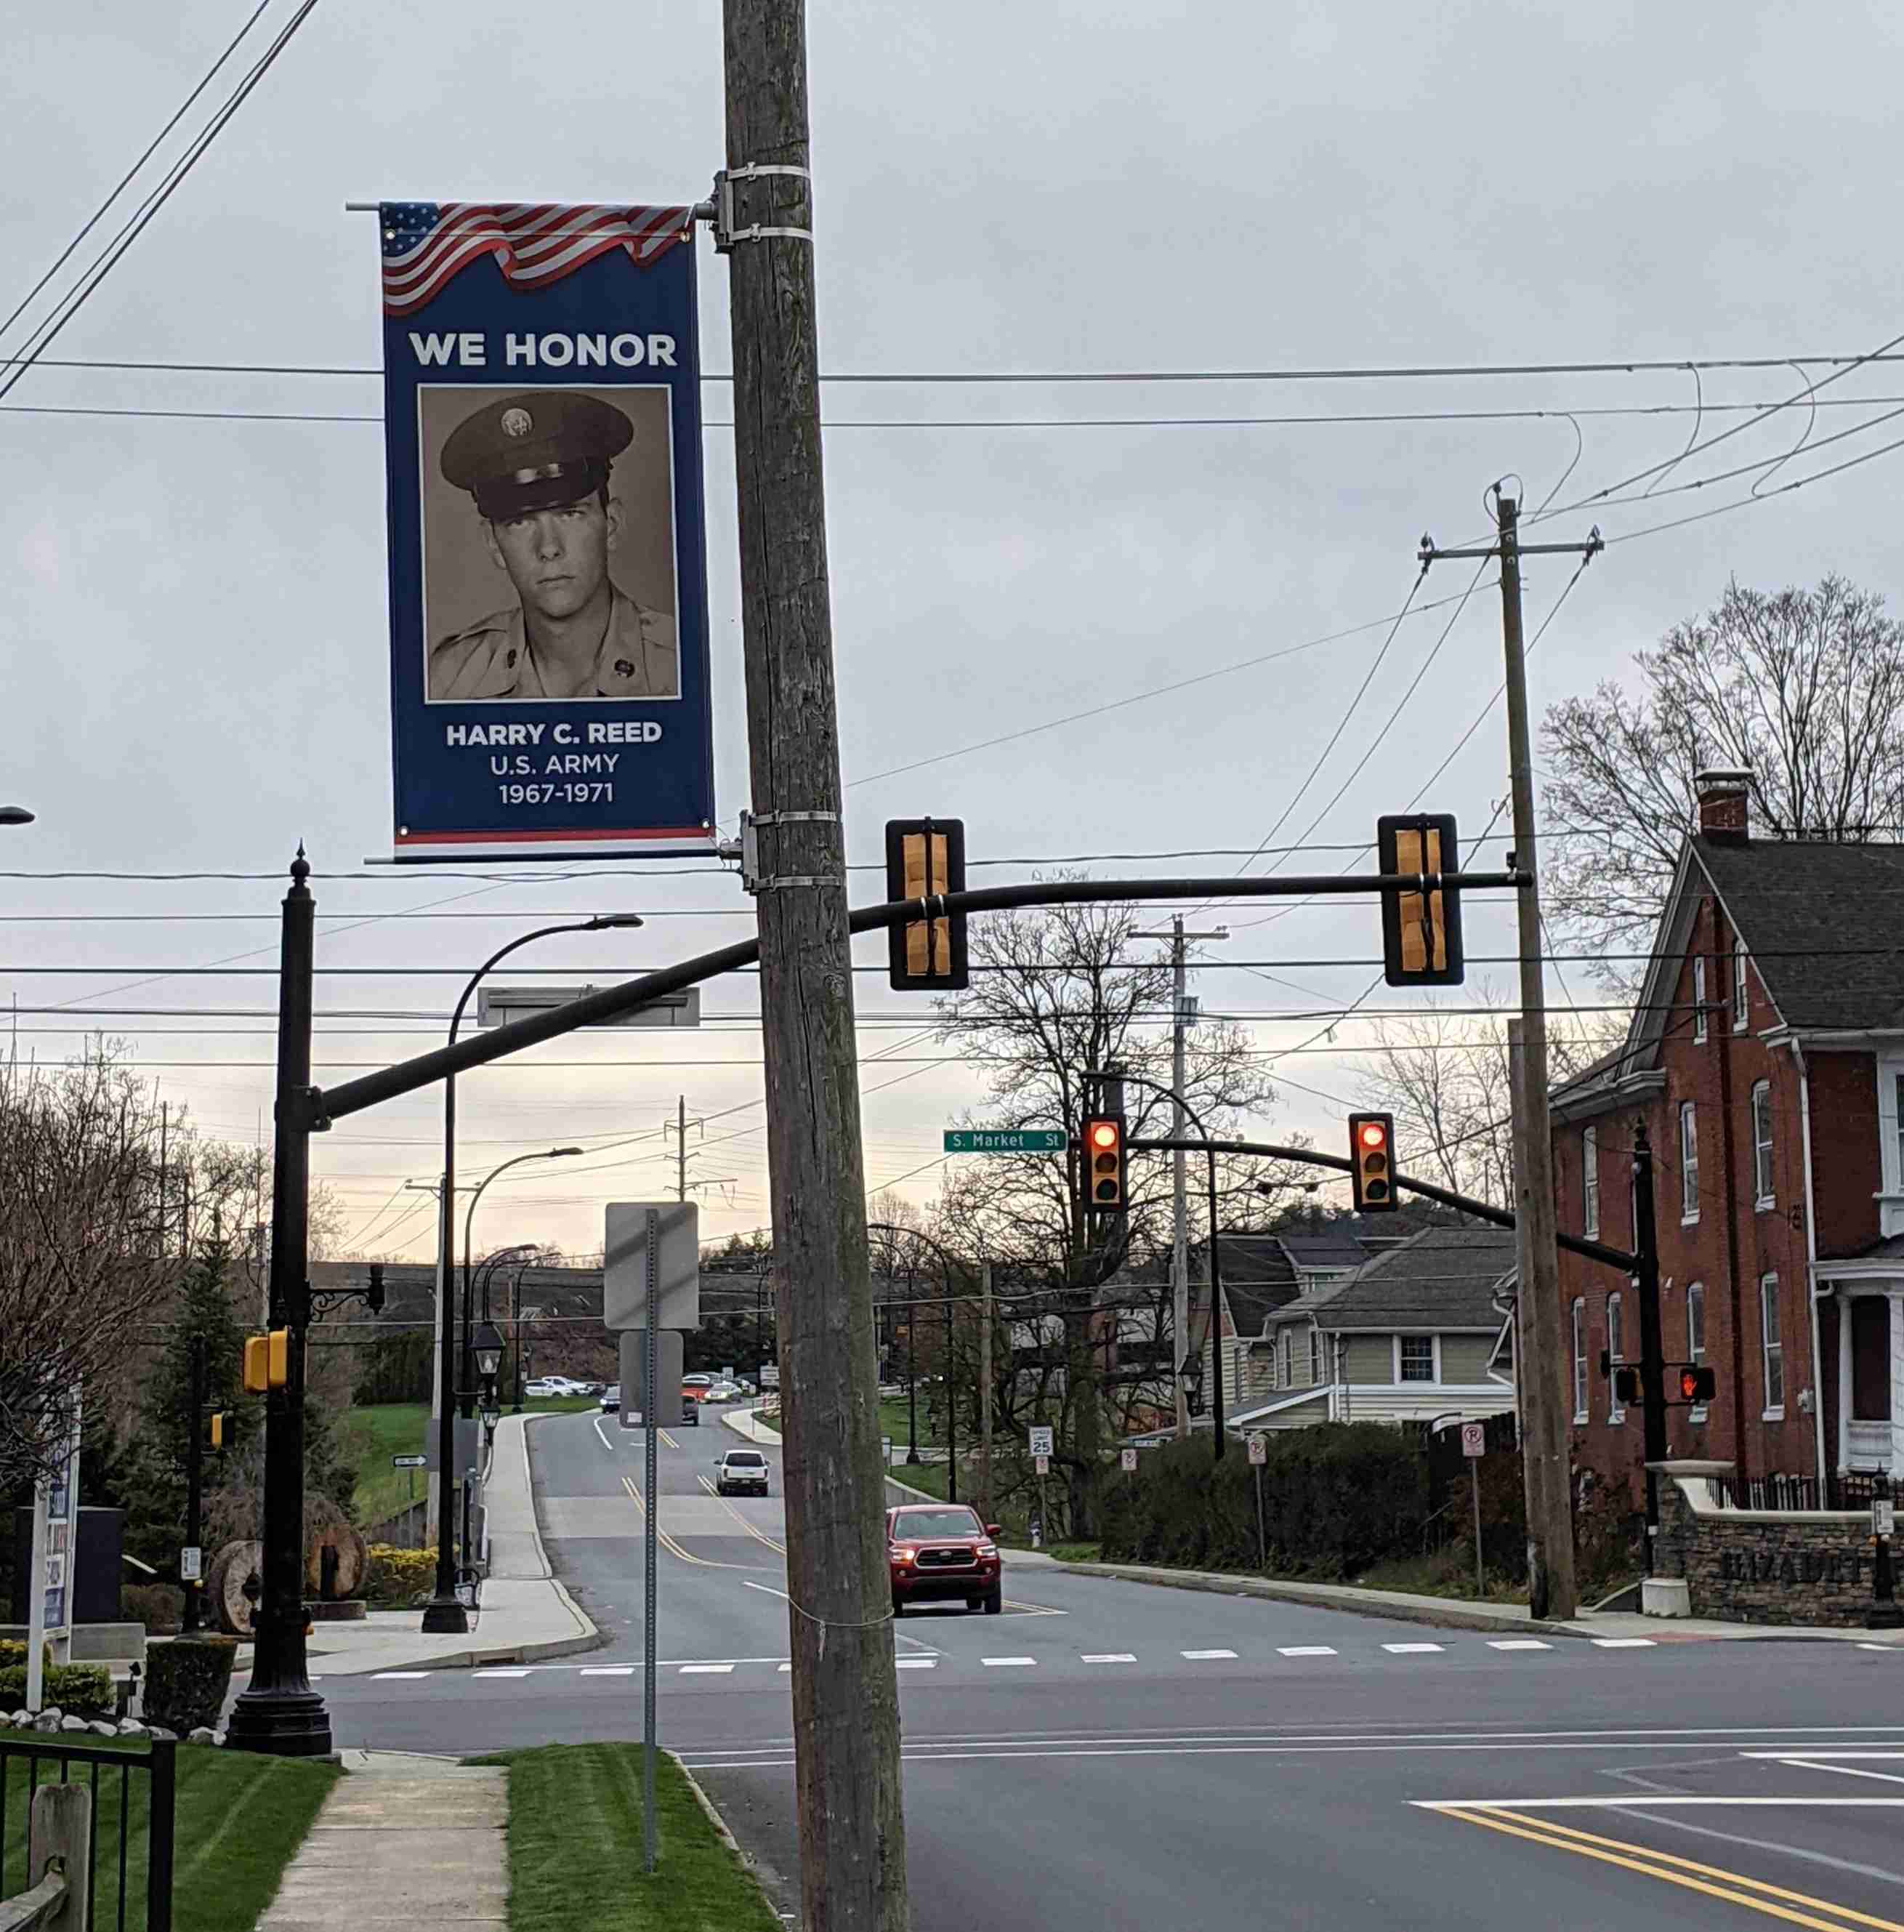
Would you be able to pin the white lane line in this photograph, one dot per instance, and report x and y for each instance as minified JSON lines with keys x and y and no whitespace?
{"x":605,"y":1443}
{"x":910,"y":1663}
{"x":1623,"y":1642}
{"x":1517,"y":1643}
{"x":1007,"y":1663}
{"x":1204,"y":1656}
{"x":1306,"y":1650}
{"x":1842,"y":1770}
{"x":705,"y":1670}
{"x":500,"y":1673}
{"x":1895,"y":1650}
{"x":1822,"y":1751}
{"x":1109,"y":1656}
{"x":1411,"y":1649}
{"x":395,"y":1676}
{"x":608,"y":1670}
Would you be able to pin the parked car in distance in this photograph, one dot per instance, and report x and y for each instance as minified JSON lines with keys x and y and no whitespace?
{"x":941,"y":1552}
{"x":542,"y":1388}
{"x":690,"y":1412}
{"x":611,"y":1398}
{"x":741,"y":1472}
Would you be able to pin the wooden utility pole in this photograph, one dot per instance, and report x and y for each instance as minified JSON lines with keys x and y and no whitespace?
{"x":1544,"y":1418}
{"x":846,"y":1713}
{"x":1541,"y":1364}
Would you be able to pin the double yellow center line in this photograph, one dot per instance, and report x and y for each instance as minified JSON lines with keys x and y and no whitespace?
{"x":674,"y":1548}
{"x":1773,"y":1901}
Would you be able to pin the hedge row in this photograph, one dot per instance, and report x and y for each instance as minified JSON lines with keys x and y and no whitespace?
{"x":186,"y":1681}
{"x":76,"y":1690}
{"x":397,"y":1579}
{"x":1336,"y":1499}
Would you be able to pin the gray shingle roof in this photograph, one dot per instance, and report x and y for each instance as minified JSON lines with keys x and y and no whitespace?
{"x":1445,"y":1278}
{"x":1798,"y":902}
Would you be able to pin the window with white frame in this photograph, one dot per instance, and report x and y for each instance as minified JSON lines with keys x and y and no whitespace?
{"x":1615,"y":1410}
{"x":1761,"y":1143}
{"x":1897,"y":1109}
{"x":1590,"y":1184}
{"x":1315,"y":1355}
{"x":1416,"y":1358}
{"x":1282,"y":1360}
{"x":1773,"y":1345}
{"x":1579,"y":1360}
{"x":1698,"y":999}
{"x":1741,"y":1001}
{"x":1689,"y":1162}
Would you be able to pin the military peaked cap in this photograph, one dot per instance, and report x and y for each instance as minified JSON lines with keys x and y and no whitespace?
{"x":535,"y":451}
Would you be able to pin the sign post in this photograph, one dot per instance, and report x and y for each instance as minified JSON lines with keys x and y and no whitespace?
{"x":1127,"y":1459}
{"x":1474,"y":1446}
{"x":1883,"y":1613}
{"x":1040,"y":1445}
{"x":1259,"y":1456}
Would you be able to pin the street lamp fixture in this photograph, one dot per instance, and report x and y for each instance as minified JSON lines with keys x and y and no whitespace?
{"x":445,"y":1612}
{"x":489,"y":1351}
{"x":15,"y":814}
{"x":491,"y":1411}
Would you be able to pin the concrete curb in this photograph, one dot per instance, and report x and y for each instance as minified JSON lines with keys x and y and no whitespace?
{"x":1450,"y":1616}
{"x":750,"y":1865}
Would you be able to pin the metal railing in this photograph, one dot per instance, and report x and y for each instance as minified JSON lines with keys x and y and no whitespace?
{"x":1855,"y":1490}
{"x":128,"y":1846}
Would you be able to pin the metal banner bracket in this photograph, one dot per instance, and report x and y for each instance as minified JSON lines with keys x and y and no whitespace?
{"x":725,"y":233}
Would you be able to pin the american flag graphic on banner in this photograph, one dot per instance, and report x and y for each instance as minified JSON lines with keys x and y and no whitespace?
{"x":426,"y":243}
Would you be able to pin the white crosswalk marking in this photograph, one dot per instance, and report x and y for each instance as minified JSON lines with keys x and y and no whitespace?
{"x":1517,"y":1643}
{"x":608,"y":1670}
{"x":902,"y":1662}
{"x":391,"y":1676}
{"x":706,"y":1669}
{"x":1411,"y":1649}
{"x":1109,"y":1656}
{"x":1307,"y":1650}
{"x":1006,"y":1663}
{"x":1623,"y":1642}
{"x":785,"y":1668}
{"x":501,"y":1673}
{"x":1204,"y":1656}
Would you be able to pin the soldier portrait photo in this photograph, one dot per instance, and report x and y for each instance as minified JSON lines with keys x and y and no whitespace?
{"x":548,"y":545}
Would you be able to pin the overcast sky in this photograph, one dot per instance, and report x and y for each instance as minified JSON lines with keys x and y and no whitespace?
{"x":195,"y":634}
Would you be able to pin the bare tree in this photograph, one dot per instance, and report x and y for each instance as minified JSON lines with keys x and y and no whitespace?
{"x":80,"y":1258}
{"x":1444,"y":1077}
{"x":1056,"y":992}
{"x":1803,"y":688}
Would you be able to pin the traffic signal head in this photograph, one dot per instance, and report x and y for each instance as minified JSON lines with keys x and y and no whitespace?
{"x":1421,"y":931}
{"x":1371,"y":1155}
{"x":267,"y":1361}
{"x":1697,"y":1385}
{"x":1106,"y":1175}
{"x":925,"y":858}
{"x":214,"y":1430}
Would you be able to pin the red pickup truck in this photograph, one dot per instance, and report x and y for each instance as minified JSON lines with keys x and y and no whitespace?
{"x":943,"y":1553}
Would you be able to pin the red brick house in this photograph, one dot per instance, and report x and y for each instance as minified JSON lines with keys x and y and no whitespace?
{"x":1766,"y":1059}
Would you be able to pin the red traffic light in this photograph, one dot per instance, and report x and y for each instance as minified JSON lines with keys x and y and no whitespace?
{"x":1104,"y":1134}
{"x":1106,"y":1182}
{"x":1373,"y":1134}
{"x":1370,"y":1169}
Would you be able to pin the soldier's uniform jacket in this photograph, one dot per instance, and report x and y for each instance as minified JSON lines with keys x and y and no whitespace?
{"x":494,"y":659}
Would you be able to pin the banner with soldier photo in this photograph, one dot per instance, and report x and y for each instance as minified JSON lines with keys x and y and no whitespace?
{"x":548,"y":594}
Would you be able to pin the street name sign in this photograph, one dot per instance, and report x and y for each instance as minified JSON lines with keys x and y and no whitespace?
{"x":1040,"y":1439}
{"x":1473,"y":1439}
{"x":1006,"y":1140}
{"x":498,"y":1006}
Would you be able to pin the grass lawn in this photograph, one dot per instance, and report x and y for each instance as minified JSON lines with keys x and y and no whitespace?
{"x":370,"y":1436}
{"x":575,"y":1845}
{"x":239,"y":1818}
{"x":894,"y":1412}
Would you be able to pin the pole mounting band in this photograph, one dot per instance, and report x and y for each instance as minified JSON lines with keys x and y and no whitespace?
{"x":725,"y":233}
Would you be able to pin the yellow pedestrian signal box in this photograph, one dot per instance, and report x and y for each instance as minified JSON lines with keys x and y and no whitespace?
{"x":1421,"y":931}
{"x":214,"y":1430}
{"x":1106,"y":1165}
{"x":1371,"y":1150}
{"x":924,"y":858}
{"x":267,"y":1361}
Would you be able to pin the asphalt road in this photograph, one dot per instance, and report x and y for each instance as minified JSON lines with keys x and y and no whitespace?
{"x":1121,"y":1755}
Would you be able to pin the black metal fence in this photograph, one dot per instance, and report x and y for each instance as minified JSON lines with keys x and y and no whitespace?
{"x":130,"y":1853}
{"x":1853,"y":1491}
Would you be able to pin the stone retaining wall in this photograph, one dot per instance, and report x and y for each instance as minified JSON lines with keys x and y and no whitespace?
{"x":1762,"y":1566}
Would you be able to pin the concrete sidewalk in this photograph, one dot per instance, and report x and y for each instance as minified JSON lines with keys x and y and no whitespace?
{"x":746,"y":1424}
{"x":526,"y":1612}
{"x":1454,"y":1613}
{"x":406,"y":1840}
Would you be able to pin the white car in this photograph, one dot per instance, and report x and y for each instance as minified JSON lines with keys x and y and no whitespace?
{"x":742,"y":1472}
{"x":544,"y":1386}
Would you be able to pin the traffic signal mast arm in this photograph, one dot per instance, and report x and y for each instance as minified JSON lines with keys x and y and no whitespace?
{"x":1482,"y":1210}
{"x":323,"y":1106}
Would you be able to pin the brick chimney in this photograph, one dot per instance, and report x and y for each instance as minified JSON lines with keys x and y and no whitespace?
{"x":1724,"y":797}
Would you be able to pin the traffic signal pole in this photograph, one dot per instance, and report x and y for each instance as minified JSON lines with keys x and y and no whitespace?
{"x":1544,"y":1417}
